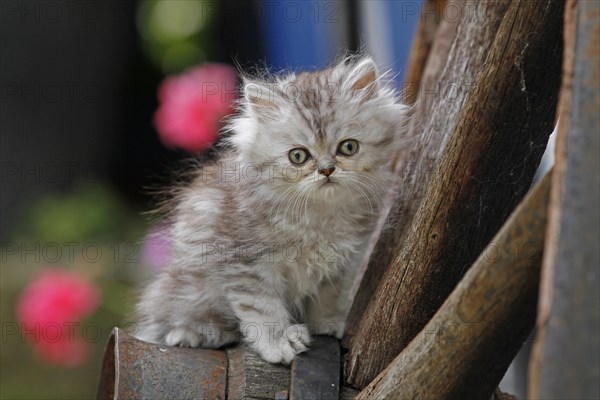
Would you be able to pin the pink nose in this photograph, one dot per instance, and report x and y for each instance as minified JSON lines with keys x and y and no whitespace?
{"x":327,"y":171}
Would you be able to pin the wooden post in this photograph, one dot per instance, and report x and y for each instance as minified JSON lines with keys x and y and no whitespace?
{"x":486,"y":168}
{"x":465,"y":349}
{"x":428,"y":136}
{"x":431,"y":15}
{"x":566,"y":357}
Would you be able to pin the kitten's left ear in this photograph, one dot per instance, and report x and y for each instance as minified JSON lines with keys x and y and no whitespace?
{"x":362,"y":80}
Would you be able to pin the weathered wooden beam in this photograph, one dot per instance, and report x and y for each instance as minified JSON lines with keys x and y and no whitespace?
{"x":416,"y":162}
{"x":133,"y":369}
{"x":432,"y":12}
{"x":487,"y":166}
{"x":464,"y":351}
{"x":566,"y":357}
{"x":250,"y":377}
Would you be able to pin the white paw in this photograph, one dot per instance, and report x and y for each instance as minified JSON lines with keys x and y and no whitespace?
{"x":182,"y":337}
{"x":284,"y":346}
{"x":330,"y":328}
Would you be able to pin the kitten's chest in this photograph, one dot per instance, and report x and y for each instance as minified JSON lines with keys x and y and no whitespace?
{"x":321,"y":243}
{"x":321,"y":253}
{"x":329,"y":224}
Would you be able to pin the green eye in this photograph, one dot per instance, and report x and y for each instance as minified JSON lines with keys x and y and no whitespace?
{"x":298,"y":156}
{"x":348,"y":147}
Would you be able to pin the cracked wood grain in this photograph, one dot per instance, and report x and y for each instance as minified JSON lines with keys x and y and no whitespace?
{"x":497,"y":135}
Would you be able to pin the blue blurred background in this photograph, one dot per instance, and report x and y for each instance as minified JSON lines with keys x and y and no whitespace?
{"x":79,"y":152}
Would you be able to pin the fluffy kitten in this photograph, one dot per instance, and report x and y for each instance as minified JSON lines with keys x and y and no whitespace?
{"x":263,"y":237}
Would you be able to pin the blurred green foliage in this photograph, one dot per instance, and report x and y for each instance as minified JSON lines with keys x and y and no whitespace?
{"x":176,"y":34}
{"x":92,"y":212}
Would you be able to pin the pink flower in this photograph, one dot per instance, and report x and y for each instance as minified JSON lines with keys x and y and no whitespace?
{"x":49,"y":309}
{"x":155,"y":252}
{"x":193,"y":104}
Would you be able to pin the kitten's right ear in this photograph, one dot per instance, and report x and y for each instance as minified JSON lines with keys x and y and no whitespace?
{"x":260,"y":96}
{"x":363,"y":79}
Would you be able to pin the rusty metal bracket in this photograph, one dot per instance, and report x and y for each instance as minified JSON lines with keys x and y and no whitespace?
{"x":133,"y":369}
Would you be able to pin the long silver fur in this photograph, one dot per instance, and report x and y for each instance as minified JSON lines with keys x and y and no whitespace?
{"x":260,"y":246}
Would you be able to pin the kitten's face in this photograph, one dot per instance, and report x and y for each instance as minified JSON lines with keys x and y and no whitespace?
{"x":328,"y":135}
